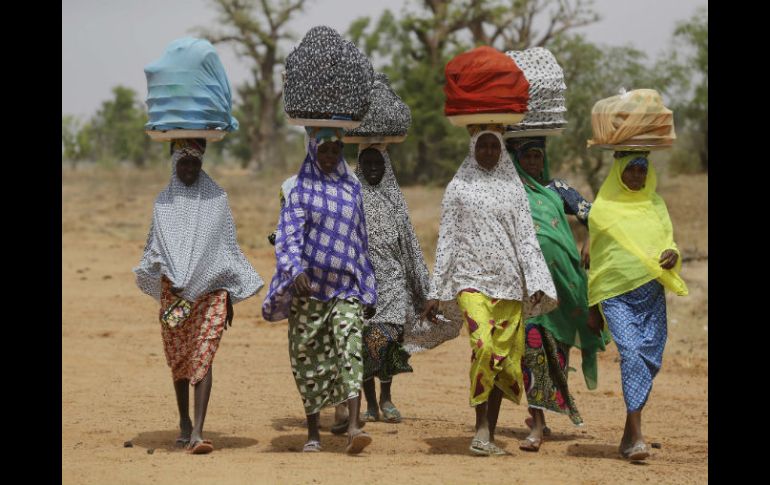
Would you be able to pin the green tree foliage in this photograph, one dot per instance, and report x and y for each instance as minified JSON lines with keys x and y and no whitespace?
{"x":256,"y":29}
{"x":414,"y":50}
{"x":118,"y":130}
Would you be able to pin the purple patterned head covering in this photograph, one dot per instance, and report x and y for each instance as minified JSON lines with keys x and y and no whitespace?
{"x":322,"y":232}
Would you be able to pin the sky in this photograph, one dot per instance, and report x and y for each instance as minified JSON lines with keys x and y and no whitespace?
{"x":108,"y":42}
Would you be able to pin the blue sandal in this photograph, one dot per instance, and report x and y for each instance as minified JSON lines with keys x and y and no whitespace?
{"x":391,"y":414}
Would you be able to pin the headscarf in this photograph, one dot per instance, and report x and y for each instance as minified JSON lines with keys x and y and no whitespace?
{"x":192,"y":240}
{"x":324,"y":134}
{"x":194,"y":147}
{"x":386,"y":210}
{"x":569,"y":321}
{"x":322,"y":232}
{"x":629,"y":231}
{"x":487,"y":239}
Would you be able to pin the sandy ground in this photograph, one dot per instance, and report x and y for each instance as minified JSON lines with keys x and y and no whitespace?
{"x":116,"y":386}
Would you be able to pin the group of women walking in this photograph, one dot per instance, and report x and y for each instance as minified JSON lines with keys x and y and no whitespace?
{"x":352,"y":281}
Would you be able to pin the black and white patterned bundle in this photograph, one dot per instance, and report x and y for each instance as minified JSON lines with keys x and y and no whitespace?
{"x":327,"y":75}
{"x":547,"y":105}
{"x":387,"y":115}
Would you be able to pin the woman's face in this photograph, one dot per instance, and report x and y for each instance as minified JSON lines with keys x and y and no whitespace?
{"x":532,"y":162}
{"x":372,"y":165}
{"x":634,"y":176}
{"x":328,"y":155}
{"x":487,"y":151}
{"x":188,"y":168}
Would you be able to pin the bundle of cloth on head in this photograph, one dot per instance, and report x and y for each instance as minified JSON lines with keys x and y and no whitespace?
{"x":635,"y":117}
{"x":484,"y":80}
{"x":387,"y":114}
{"x":192,"y":238}
{"x":397,"y":257}
{"x":546,"y":106}
{"x":187,"y":88}
{"x":334,"y":243}
{"x":327,"y":77}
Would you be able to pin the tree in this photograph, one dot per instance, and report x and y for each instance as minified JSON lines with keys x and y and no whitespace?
{"x":512,"y":25}
{"x":117,"y":129}
{"x":75,"y":139}
{"x":692,"y":35}
{"x":416,"y":48}
{"x":256,"y":29}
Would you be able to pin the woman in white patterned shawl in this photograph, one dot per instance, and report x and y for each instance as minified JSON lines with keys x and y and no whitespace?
{"x":192,"y":265}
{"x":402,"y":284}
{"x":489,"y":266}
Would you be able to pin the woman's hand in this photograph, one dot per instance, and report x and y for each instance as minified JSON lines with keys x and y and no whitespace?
{"x":369,"y":311}
{"x":535,"y":298}
{"x":595,"y":323}
{"x":668,"y":259}
{"x":585,"y":254}
{"x":302,"y":285}
{"x":430,"y":310}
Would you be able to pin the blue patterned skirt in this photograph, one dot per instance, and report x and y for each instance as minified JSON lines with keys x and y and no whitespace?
{"x":637,"y":321}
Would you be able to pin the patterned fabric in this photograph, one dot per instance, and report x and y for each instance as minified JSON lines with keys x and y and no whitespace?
{"x":545,"y":373}
{"x":574,"y":203}
{"x":325,"y":350}
{"x":322,"y":232}
{"x":384,"y":356}
{"x":568,"y":323}
{"x":190,"y":348}
{"x":326,"y":75}
{"x":496,"y":334}
{"x":637,"y":321}
{"x":192,"y":242}
{"x":399,"y":265}
{"x":640,"y":160}
{"x":487,"y":239}
{"x":546,"y":106}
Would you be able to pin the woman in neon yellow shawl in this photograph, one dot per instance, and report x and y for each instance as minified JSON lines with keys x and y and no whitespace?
{"x":633,"y":258}
{"x":550,"y":336}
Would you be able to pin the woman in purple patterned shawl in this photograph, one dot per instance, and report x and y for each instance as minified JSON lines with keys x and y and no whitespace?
{"x":324,"y":284}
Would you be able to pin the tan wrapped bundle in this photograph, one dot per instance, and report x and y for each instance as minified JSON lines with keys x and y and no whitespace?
{"x":636,"y":118}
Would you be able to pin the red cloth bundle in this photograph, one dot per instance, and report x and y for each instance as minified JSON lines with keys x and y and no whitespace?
{"x":484,"y":80}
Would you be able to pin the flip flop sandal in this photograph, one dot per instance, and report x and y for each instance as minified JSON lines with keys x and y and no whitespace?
{"x":531,"y":424}
{"x":479,"y":448}
{"x":357,"y":443}
{"x":312,"y":446}
{"x":637,"y":452}
{"x":370,"y":417}
{"x":391,"y":414}
{"x":530,"y":444}
{"x":182,"y":442}
{"x":495,"y":450}
{"x":201,"y":448}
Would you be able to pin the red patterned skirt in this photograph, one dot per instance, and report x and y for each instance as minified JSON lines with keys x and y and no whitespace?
{"x":190,"y":348}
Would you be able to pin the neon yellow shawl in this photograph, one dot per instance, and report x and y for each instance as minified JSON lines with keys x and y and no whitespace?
{"x":629,"y":231}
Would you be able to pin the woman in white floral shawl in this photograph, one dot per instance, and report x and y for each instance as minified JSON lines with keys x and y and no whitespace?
{"x":489,"y":266}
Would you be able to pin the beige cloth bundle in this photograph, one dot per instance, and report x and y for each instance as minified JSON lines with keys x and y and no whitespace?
{"x":635,"y":118}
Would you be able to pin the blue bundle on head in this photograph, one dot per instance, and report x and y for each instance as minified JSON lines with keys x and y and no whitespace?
{"x":188,"y":89}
